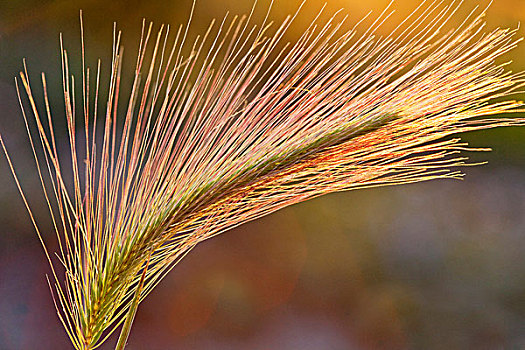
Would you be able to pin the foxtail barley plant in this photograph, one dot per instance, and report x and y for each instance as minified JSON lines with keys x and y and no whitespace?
{"x":236,"y":124}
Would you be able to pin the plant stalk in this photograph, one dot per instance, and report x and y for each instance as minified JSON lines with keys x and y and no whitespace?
{"x":126,"y":327}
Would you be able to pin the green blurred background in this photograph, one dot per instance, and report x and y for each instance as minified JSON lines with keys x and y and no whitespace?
{"x":437,"y":265}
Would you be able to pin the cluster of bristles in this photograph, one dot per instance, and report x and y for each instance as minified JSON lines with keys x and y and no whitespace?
{"x":237,"y":126}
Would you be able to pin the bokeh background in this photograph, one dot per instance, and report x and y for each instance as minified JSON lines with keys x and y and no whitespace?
{"x":437,"y":265}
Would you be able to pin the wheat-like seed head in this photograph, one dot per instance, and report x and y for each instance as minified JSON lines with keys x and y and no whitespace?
{"x":239,"y":126}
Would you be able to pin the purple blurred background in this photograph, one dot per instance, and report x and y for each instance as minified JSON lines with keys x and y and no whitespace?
{"x":437,"y":265}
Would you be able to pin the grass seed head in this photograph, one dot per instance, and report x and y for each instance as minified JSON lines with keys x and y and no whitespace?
{"x":236,"y":125}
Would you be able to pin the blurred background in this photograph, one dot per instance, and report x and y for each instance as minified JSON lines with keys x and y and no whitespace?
{"x":438,"y":265}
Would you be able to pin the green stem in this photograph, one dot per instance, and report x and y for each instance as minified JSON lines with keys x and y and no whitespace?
{"x":126,"y":328}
